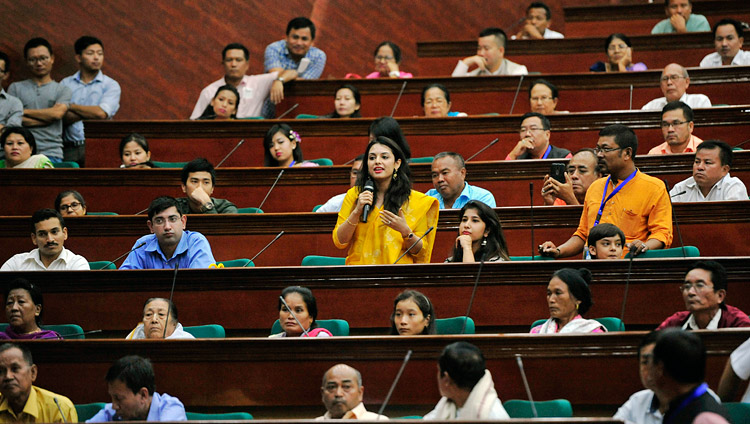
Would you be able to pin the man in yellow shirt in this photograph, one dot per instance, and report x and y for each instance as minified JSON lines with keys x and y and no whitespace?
{"x":20,"y":401}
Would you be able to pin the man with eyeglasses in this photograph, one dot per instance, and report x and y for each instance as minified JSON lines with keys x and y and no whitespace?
{"x":680,"y":19}
{"x":342,"y":393}
{"x":169,"y":244}
{"x":704,"y":291}
{"x":677,"y":129}
{"x":636,"y":203}
{"x":48,"y":234}
{"x":728,"y":39}
{"x":711,"y":180}
{"x":674,"y":83}
{"x":534,"y":144}
{"x":11,"y":109}
{"x":45,"y":101}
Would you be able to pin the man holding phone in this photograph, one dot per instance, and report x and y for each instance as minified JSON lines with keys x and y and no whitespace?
{"x":569,"y":188}
{"x":534,"y":144}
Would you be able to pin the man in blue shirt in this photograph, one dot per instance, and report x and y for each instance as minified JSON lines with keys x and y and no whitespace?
{"x":293,"y":57}
{"x":95,"y":96}
{"x":680,"y":19}
{"x":169,"y":244}
{"x":451,"y":188}
{"x":130,"y":383}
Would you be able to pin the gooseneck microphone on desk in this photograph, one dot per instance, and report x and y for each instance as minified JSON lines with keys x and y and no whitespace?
{"x":278,"y":236}
{"x":230,"y":153}
{"x":171,"y":295}
{"x":304,"y":331}
{"x":121,"y":256}
{"x":278,"y":177}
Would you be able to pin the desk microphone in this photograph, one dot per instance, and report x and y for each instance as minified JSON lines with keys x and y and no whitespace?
{"x":516,"y":96}
{"x":414,"y":244}
{"x":526,"y":385}
{"x":398,"y":99}
{"x":121,"y":256}
{"x":138,"y":213}
{"x":473,"y":292}
{"x":677,"y":194}
{"x":676,"y":222}
{"x":293,"y":316}
{"x":230,"y":153}
{"x":80,"y":333}
{"x":531,"y":222}
{"x":741,"y":143}
{"x":288,"y":110}
{"x":625,"y":295}
{"x":393,"y":386}
{"x":517,"y":23}
{"x":264,"y":249}
{"x":493,"y":142}
{"x":631,"y":97}
{"x":171,"y":295}
{"x":369,"y":186}
{"x":271,"y":189}
{"x":62,"y":416}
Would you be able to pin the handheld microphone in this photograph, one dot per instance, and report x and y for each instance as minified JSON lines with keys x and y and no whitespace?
{"x":171,"y":295}
{"x":121,"y":256}
{"x":414,"y":244}
{"x":271,"y":189}
{"x":677,"y":194}
{"x":393,"y":385}
{"x":531,"y":222}
{"x":526,"y":385}
{"x":288,"y":110}
{"x":493,"y":142}
{"x":230,"y":153}
{"x":369,"y":186}
{"x":304,"y":331}
{"x":473,"y":292}
{"x":264,"y":249}
{"x":398,"y":99}
{"x":516,"y":96}
{"x":676,"y":222}
{"x":62,"y":416}
{"x":631,"y":97}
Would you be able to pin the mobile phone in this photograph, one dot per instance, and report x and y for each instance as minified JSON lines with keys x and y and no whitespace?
{"x":557,"y":171}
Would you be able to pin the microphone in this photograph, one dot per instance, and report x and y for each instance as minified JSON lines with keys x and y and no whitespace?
{"x":526,"y":385}
{"x":288,"y":110}
{"x":294,"y":316}
{"x":271,"y":189}
{"x":62,"y":416}
{"x":398,"y":99}
{"x":677,"y":194}
{"x":121,"y":256}
{"x":531,"y":222}
{"x":517,"y":23}
{"x":414,"y":244}
{"x":264,"y":249}
{"x":138,"y":213}
{"x":393,"y":386}
{"x":80,"y":333}
{"x":676,"y":222}
{"x":741,"y":143}
{"x":171,"y":295}
{"x":369,"y":186}
{"x":230,"y":153}
{"x":631,"y":97}
{"x":473,"y":292}
{"x":625,"y":295}
{"x":493,"y":142}
{"x":516,"y":96}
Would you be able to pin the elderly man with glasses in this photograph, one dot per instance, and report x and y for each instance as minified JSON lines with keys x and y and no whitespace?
{"x":674,"y":83}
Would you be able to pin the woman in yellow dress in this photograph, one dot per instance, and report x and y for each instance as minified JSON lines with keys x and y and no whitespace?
{"x":398,"y":216}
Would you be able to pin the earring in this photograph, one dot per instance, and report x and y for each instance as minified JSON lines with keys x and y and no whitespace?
{"x":577,"y":305}
{"x":484,"y":241}
{"x":395,"y":174}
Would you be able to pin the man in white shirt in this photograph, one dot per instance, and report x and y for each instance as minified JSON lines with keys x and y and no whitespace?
{"x":536,"y":26}
{"x":490,"y":57}
{"x":728,"y":41}
{"x":674,"y":83}
{"x":334,"y":203}
{"x":342,"y":392}
{"x":711,"y":180}
{"x":736,"y":370}
{"x":253,"y":89}
{"x":49,"y":234}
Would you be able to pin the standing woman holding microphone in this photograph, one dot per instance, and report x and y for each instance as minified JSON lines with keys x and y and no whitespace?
{"x":397,"y":215}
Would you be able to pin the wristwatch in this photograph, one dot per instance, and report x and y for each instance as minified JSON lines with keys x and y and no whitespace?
{"x":207,"y":207}
{"x":280,"y":79}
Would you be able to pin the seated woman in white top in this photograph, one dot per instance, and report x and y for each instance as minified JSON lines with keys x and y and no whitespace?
{"x":155,"y":319}
{"x":568,"y":298}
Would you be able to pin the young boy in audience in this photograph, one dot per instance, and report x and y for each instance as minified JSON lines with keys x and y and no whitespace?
{"x":606,"y":241}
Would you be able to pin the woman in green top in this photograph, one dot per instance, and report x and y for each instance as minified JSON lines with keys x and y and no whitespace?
{"x":20,"y":150}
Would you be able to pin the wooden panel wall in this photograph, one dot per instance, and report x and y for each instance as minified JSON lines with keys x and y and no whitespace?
{"x":164,"y":52}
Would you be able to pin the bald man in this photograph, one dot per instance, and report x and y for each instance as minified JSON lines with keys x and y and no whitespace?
{"x":674,"y":83}
{"x":342,"y":392}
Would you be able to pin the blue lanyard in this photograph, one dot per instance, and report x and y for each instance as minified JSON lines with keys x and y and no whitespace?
{"x":292,"y":164}
{"x":546,"y":153}
{"x":606,"y":198}
{"x":698,"y":392}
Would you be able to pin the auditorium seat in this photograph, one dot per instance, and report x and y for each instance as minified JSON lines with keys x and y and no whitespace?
{"x":97,"y":265}
{"x":88,"y":410}
{"x":208,"y":331}
{"x":315,"y":260}
{"x":168,"y":164}
{"x":236,"y":263}
{"x":249,"y":210}
{"x":738,"y":411}
{"x":674,"y":252}
{"x":550,"y":408}
{"x":454,"y":325}
{"x":67,"y":331}
{"x":101,"y":213}
{"x":337,"y":327}
{"x":425,"y":159}
{"x":226,"y":416}
{"x":610,"y":323}
{"x":306,"y":116}
{"x":322,"y":161}
{"x":66,"y":165}
{"x":528,"y":258}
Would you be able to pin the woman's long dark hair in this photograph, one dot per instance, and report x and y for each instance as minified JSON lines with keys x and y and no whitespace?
{"x":400,"y":188}
{"x":209,"y":113}
{"x":496,"y":245}
{"x":386,"y":126}
{"x":289,"y":133}
{"x":424,"y":305}
{"x":357,"y":100}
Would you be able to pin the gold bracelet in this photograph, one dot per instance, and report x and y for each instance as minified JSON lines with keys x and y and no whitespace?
{"x":349,"y":222}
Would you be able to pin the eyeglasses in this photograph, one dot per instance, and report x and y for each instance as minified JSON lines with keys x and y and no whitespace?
{"x":40,"y":59}
{"x":674,"y":78}
{"x":599,"y":149}
{"x":699,"y":286}
{"x":386,"y":58}
{"x":541,"y":99}
{"x":665,"y":124}
{"x":438,"y":101}
{"x":173,"y":219}
{"x":73,"y":206}
{"x":617,"y":47}
{"x":523,"y":130}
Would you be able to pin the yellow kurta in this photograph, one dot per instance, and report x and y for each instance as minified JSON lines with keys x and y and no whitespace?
{"x":375,"y":243}
{"x":40,"y":408}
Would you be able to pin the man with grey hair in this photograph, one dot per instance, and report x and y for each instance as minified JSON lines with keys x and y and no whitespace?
{"x":451,"y":188}
{"x":674,"y":83}
{"x":342,"y":392}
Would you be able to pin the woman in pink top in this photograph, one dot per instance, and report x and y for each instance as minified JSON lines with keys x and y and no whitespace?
{"x":387,"y":59}
{"x":568,"y":298}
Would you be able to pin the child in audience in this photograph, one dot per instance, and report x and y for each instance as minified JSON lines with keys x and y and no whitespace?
{"x":606,"y":242}
{"x":282,"y":147}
